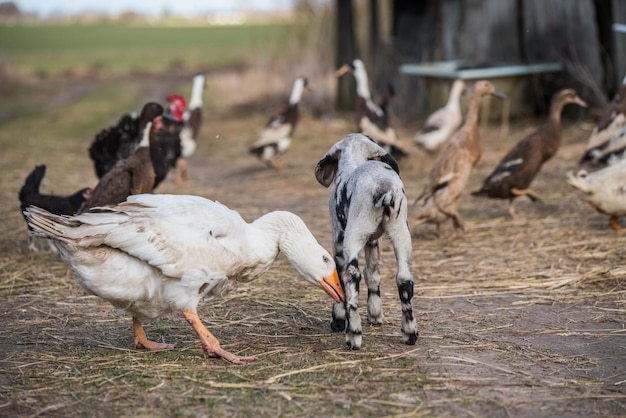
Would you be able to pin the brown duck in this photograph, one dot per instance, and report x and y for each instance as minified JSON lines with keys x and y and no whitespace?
{"x":448,"y":177}
{"x":516,"y":171}
{"x":132,"y":175}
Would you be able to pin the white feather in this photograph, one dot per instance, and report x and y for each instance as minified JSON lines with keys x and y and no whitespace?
{"x":152,"y":254}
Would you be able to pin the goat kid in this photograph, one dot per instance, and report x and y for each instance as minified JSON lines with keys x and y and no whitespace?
{"x":367,"y":199}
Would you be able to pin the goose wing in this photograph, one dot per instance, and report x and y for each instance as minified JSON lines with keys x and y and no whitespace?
{"x":171,"y":233}
{"x":275,"y":130}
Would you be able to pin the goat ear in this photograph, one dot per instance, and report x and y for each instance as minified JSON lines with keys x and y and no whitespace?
{"x":388,"y":159}
{"x":326,"y":170}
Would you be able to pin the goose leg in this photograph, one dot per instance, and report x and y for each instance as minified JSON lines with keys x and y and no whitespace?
{"x":616,"y":225}
{"x":277,"y":162}
{"x":141,"y":341}
{"x":31,"y":244}
{"x":210,"y":343}
{"x":181,"y":165}
{"x":456,"y":220}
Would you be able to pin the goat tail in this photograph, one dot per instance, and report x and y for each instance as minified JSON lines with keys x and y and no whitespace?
{"x":385,"y":199}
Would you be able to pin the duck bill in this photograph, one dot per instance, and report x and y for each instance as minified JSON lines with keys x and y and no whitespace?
{"x":580,"y":102}
{"x":332,"y":286}
{"x":498,"y":94}
{"x":344,"y":69}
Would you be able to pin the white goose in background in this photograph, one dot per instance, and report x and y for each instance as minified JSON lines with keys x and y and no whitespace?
{"x":607,"y":141}
{"x":371,"y":119}
{"x":605,"y":190}
{"x":193,"y":121}
{"x":275,"y":138}
{"x":155,"y":254}
{"x":443,"y":122}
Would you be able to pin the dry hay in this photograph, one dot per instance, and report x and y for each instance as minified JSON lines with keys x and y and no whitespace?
{"x":517,"y":318}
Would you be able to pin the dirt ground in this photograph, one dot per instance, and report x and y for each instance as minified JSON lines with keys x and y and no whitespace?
{"x":517,"y":318}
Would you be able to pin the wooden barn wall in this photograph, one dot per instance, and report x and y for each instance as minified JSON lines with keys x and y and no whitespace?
{"x":415,"y":38}
{"x":619,"y":39}
{"x":565,"y":31}
{"x":484,"y":31}
{"x":493,"y":31}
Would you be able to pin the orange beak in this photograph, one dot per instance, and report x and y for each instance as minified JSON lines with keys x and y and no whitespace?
{"x":332,"y":286}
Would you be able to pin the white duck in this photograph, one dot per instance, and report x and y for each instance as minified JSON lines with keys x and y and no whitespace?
{"x":275,"y":138}
{"x":372,"y":120}
{"x":193,"y":121}
{"x":604,"y":189}
{"x":155,"y":254}
{"x":607,"y":141}
{"x":443,"y":122}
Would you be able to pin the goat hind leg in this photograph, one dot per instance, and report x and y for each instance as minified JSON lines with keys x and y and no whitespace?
{"x":375,"y":314}
{"x":351,"y":279}
{"x":401,"y":240}
{"x":409,"y":324}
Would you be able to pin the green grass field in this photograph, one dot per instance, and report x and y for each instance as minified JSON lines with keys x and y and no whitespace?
{"x":48,"y":50}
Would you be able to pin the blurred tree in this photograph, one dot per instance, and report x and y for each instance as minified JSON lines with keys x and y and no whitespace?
{"x":304,"y":8}
{"x":604,"y":20}
{"x":9,"y":9}
{"x":346,"y":52}
{"x":373,"y":40}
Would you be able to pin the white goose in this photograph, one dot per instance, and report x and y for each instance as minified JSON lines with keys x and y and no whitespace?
{"x":275,"y":139}
{"x":155,"y":254}
{"x":605,"y":190}
{"x":607,"y":142}
{"x":443,"y":122}
{"x":193,"y":117}
{"x":371,"y":119}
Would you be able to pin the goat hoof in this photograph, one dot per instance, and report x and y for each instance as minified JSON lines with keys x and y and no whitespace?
{"x":338,"y":325}
{"x":410,"y":339}
{"x":353,"y":341}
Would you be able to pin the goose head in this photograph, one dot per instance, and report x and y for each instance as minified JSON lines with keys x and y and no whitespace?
{"x":199,"y":85}
{"x":303,"y":251}
{"x":357,"y":68}
{"x":298,"y":87}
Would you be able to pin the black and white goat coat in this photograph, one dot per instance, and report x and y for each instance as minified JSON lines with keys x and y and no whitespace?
{"x":367,"y":200}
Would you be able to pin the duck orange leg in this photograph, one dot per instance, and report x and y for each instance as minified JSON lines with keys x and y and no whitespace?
{"x":277,"y":162}
{"x":616,"y":225}
{"x":210,"y":343}
{"x":181,"y":167}
{"x":526,"y":192}
{"x":141,"y":341}
{"x":512,"y":210}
